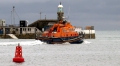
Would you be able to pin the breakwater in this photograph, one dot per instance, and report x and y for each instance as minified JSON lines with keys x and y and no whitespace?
{"x":33,"y":36}
{"x":19,"y":36}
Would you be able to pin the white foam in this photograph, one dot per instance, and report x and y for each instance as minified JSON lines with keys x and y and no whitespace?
{"x":86,"y":42}
{"x":36,"y":42}
{"x":66,"y":43}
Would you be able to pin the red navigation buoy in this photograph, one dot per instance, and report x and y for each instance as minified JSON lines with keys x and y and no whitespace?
{"x":18,"y":54}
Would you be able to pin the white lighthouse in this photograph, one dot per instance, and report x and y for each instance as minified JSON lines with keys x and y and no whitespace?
{"x":60,"y":12}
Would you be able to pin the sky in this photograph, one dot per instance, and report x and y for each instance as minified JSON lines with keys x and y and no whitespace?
{"x":102,"y":14}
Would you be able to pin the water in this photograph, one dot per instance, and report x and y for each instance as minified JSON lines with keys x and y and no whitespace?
{"x":102,"y":51}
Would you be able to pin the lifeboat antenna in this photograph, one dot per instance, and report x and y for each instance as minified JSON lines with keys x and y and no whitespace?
{"x":68,"y":13}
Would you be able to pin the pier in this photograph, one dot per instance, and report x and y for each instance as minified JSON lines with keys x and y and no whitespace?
{"x":30,"y":31}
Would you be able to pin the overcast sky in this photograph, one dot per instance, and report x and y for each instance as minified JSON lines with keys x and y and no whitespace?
{"x":102,"y":14}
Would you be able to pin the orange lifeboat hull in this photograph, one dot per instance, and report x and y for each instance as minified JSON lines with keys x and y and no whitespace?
{"x":71,"y":40}
{"x":61,"y":32}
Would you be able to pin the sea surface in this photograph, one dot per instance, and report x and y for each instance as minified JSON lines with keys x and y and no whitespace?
{"x":102,"y":51}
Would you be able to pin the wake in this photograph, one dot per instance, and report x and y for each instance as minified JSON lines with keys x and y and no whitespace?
{"x":87,"y":42}
{"x":33,"y":42}
{"x":36,"y":42}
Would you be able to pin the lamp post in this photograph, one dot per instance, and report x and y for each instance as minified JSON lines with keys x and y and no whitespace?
{"x":40,"y":15}
{"x":14,"y":15}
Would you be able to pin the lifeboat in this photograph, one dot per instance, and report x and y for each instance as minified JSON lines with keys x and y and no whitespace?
{"x":61,"y":32}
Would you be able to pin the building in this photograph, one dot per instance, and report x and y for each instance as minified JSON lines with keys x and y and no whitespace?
{"x":2,"y":23}
{"x":20,"y":30}
{"x":43,"y":24}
